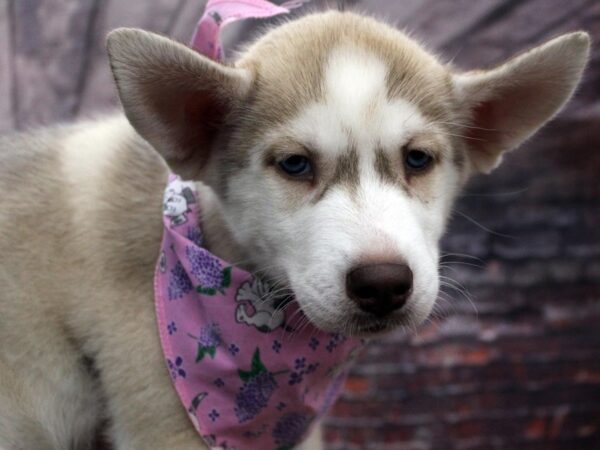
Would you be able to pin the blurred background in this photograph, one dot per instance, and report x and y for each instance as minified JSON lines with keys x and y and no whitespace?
{"x":511,"y":359}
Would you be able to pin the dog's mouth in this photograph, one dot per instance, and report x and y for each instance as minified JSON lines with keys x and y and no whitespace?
{"x":372,"y":328}
{"x":367,"y":325}
{"x":352,"y":324}
{"x":283,"y":300}
{"x":363,"y":325}
{"x":358,"y":324}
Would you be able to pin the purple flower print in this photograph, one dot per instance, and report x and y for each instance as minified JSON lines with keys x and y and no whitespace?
{"x":254,"y":396}
{"x":300,"y":363}
{"x":176,"y":368}
{"x":276,"y":346}
{"x":313,"y":343}
{"x":295,"y":378}
{"x":213,"y":415}
{"x":290,"y":429}
{"x":259,"y":385}
{"x":179,"y":282}
{"x":208,"y":341}
{"x":210,"y":335}
{"x":301,"y":369}
{"x":205,"y":267}
{"x":219,"y":382}
{"x":171,"y":328}
{"x":194,"y":234}
{"x":336,"y":339}
{"x":208,"y":271}
{"x":312,"y":368}
{"x":233,"y":349}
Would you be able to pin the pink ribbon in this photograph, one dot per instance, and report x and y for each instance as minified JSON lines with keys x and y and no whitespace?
{"x":219,"y":13}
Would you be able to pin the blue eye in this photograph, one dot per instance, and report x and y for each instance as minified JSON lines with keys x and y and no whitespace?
{"x":296,"y":166}
{"x":417,"y":160}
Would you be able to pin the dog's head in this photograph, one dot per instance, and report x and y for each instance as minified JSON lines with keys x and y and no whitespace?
{"x":336,"y":146}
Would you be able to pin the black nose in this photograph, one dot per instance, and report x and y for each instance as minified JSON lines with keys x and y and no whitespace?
{"x":380,"y":288}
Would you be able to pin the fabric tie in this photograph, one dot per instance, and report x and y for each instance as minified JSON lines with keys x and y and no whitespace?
{"x":220,"y":13}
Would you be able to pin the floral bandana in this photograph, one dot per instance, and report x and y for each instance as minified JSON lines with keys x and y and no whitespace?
{"x":250,"y":370}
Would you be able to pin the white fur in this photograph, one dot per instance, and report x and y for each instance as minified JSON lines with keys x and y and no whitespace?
{"x":355,"y":101}
{"x":380,"y":223}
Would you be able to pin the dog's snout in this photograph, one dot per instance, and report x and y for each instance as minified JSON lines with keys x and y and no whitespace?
{"x":380,"y":288}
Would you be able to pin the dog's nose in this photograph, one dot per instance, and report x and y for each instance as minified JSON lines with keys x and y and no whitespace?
{"x":380,"y":288}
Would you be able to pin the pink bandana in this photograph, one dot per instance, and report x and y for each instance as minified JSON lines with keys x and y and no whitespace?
{"x":249,"y":369}
{"x":220,"y":13}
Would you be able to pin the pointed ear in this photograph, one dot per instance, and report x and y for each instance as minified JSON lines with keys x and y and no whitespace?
{"x":508,"y":104}
{"x":174,"y":97}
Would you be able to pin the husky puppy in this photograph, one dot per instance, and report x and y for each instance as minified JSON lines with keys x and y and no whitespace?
{"x":327,"y":157}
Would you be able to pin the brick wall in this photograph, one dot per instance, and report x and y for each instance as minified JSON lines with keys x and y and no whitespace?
{"x":514,"y":364}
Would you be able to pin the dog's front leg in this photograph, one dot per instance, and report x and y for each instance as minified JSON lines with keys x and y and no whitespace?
{"x":143,"y":407}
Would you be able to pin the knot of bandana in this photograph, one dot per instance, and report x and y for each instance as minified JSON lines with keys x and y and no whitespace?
{"x":220,"y":13}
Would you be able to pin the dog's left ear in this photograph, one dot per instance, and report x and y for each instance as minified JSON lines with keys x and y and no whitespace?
{"x":506,"y":105}
{"x":175,"y":98}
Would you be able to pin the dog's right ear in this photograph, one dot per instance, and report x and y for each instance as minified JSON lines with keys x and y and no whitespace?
{"x":174,"y":97}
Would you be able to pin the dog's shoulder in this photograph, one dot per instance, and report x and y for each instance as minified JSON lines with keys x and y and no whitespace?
{"x":84,"y":190}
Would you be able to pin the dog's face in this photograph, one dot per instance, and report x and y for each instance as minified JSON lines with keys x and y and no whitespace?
{"x":337,"y":146}
{"x":355,"y":175}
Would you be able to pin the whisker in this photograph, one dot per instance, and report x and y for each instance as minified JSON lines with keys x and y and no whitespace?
{"x":445,"y":265}
{"x":483,"y":227}
{"x":458,"y":287}
{"x":471,"y":138}
{"x":462,"y":255}
{"x":495,"y":194}
{"x":462,"y":125}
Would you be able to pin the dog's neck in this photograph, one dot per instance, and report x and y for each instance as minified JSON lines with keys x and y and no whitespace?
{"x":104,"y":158}
{"x":218,"y":238}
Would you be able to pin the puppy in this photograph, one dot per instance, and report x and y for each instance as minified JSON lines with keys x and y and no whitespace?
{"x":327,"y":159}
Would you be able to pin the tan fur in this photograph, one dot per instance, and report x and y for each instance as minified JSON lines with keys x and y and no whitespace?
{"x":81,"y":223}
{"x":300,"y":50}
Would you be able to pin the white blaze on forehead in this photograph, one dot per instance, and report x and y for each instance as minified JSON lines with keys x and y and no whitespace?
{"x":353,"y":81}
{"x":355,"y":103}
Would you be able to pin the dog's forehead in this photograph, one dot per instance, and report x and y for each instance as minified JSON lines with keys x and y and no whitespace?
{"x":355,"y":109}
{"x":346,"y":56}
